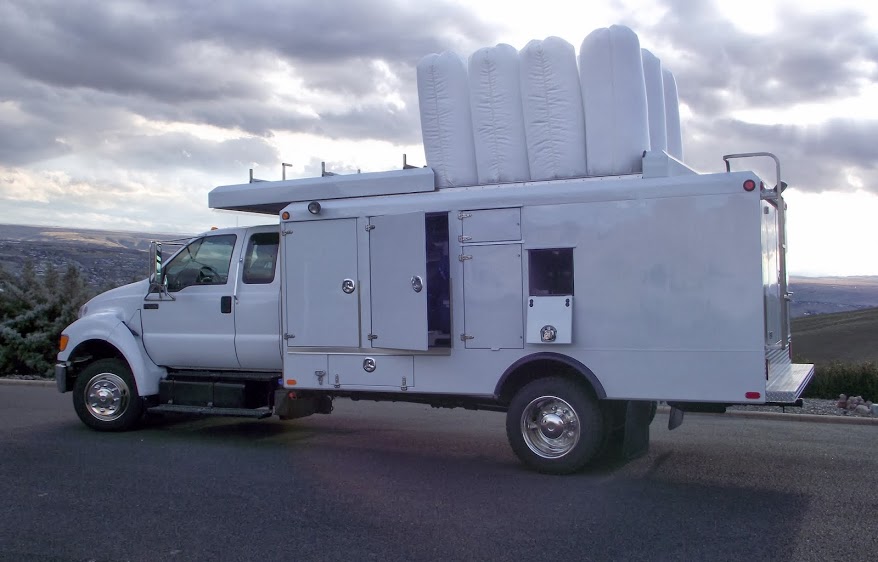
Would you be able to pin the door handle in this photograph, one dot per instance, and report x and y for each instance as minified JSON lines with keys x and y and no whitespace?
{"x":226,"y":305}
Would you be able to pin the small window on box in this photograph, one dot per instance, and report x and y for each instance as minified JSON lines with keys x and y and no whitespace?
{"x":551,"y":272}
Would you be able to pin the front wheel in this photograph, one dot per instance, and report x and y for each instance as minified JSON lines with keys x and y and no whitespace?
{"x":105,"y":396}
{"x":555,"y":425}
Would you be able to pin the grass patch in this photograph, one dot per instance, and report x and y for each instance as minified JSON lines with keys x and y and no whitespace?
{"x":852,"y":379}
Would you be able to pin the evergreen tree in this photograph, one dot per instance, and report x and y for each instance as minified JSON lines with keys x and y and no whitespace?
{"x":33,"y":312}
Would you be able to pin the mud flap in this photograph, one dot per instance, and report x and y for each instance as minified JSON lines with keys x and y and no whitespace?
{"x":638,"y":415}
{"x":675,"y":419}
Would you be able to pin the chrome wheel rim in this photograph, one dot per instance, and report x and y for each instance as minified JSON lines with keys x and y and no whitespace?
{"x":550,"y":427}
{"x":107,"y":396}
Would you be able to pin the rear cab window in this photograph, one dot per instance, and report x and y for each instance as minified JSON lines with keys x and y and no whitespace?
{"x":260,"y":258}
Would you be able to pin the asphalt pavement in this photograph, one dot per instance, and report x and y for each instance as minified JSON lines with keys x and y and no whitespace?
{"x":383,"y":481}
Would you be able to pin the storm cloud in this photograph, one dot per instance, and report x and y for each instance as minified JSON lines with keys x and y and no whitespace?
{"x":811,"y":58}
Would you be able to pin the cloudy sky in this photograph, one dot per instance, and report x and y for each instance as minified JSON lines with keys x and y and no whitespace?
{"x":124,"y":114}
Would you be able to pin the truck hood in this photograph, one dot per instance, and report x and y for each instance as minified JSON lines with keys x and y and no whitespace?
{"x":124,"y":300}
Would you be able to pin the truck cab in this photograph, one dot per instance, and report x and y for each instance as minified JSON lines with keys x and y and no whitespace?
{"x":216,"y":305}
{"x":211,"y":313}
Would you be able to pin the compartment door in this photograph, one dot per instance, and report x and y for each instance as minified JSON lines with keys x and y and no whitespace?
{"x":320,"y":279}
{"x":492,"y":296}
{"x":398,"y":275}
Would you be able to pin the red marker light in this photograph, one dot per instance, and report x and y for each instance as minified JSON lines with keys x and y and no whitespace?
{"x":752,"y":396}
{"x":749,"y":185}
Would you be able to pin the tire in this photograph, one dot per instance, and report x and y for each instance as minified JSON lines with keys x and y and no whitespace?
{"x":105,"y":396}
{"x":571,"y":431}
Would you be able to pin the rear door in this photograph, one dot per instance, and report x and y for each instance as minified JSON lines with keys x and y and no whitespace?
{"x":771,"y":275}
{"x":257,"y":302}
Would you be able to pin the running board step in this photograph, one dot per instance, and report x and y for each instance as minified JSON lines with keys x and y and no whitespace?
{"x":787,"y":382}
{"x":235,"y":376}
{"x":210,"y":411}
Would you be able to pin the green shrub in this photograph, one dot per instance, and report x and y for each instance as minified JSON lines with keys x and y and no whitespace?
{"x":33,"y":311}
{"x":852,"y":379}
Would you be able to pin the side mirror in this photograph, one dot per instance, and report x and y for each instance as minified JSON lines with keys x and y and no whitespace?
{"x":155,"y":263}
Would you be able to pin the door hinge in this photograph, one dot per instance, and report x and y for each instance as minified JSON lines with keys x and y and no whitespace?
{"x":371,"y":337}
{"x":462,"y":216}
{"x":463,"y":238}
{"x":337,"y":384}
{"x":464,"y":337}
{"x":289,"y":336}
{"x":370,"y":227}
{"x":404,"y":385}
{"x":320,"y":375}
{"x":285,"y":232}
{"x":464,"y":258}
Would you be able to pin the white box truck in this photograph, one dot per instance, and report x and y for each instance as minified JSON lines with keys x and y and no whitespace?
{"x":572,"y":305}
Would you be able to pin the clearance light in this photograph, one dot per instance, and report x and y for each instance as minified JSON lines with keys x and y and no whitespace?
{"x":291,"y":382}
{"x":214,"y":228}
{"x":285,"y":216}
{"x":62,"y":345}
{"x":749,"y":185}
{"x":752,"y":396}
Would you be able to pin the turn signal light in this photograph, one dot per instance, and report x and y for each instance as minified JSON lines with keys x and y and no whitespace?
{"x":62,"y":345}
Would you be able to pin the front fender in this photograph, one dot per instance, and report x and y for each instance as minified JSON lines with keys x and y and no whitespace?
{"x":124,"y":336}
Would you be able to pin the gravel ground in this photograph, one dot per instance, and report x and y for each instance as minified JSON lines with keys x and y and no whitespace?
{"x":813,"y":406}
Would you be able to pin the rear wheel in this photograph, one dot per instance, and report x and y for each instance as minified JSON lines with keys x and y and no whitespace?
{"x":555,"y":425}
{"x":105,"y":396}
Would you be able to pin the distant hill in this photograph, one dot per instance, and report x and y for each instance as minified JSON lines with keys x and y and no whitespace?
{"x":843,"y":336}
{"x":106,"y":258}
{"x":822,"y":295}
{"x":104,"y":238}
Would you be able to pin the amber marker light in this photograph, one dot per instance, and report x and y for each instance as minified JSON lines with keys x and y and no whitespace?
{"x":62,"y":345}
{"x":291,"y":382}
{"x":285,"y":215}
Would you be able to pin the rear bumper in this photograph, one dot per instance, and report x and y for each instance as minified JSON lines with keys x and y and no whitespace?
{"x":787,"y":383}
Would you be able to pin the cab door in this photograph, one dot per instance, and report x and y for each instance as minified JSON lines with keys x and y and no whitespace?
{"x":195,"y":329}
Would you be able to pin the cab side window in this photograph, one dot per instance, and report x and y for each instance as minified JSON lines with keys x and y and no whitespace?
{"x":260,"y":258}
{"x":205,"y":261}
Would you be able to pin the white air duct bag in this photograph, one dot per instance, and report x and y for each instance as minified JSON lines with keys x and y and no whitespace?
{"x":655,"y":101}
{"x":672,"y":115}
{"x":553,"y":115}
{"x":498,"y":126}
{"x":446,"y":122}
{"x":614,"y":99}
